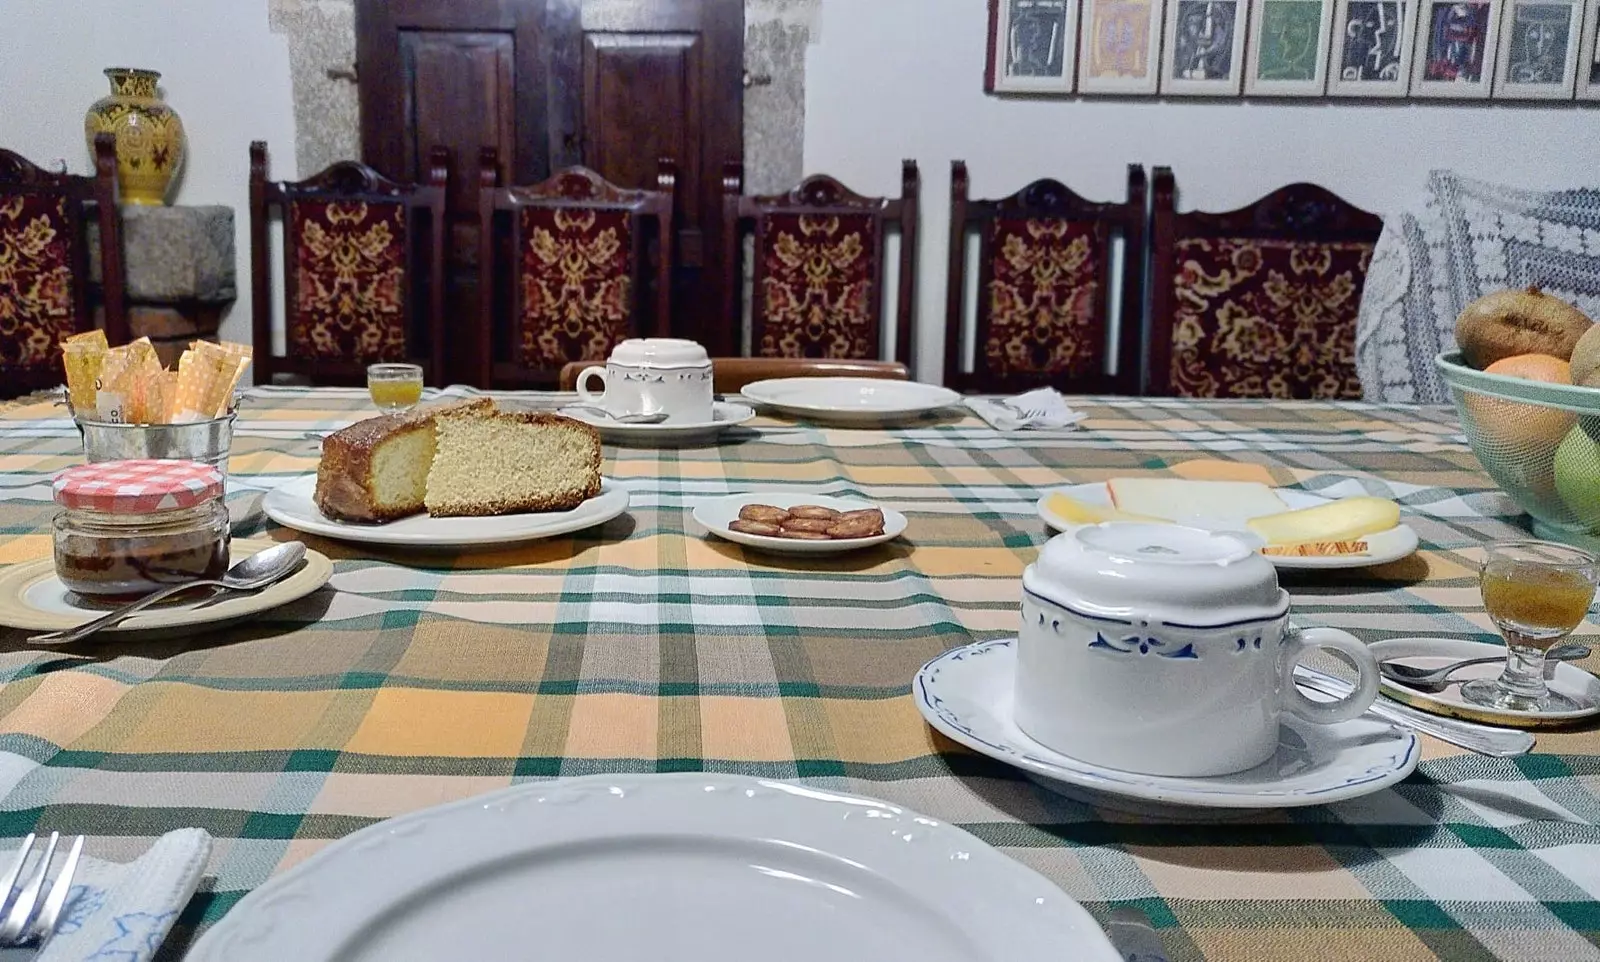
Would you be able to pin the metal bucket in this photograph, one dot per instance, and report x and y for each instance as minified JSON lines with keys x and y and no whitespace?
{"x":208,"y":442}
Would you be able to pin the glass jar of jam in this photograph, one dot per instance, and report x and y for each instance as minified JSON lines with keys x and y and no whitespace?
{"x":128,"y":528}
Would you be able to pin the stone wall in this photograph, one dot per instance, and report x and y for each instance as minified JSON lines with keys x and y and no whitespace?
{"x":322,"y":45}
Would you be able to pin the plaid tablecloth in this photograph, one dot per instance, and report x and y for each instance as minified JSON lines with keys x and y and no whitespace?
{"x":642,"y":646}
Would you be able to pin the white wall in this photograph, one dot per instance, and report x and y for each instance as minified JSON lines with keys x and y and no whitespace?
{"x":224,"y":72}
{"x":887,"y":79}
{"x":904,"y":78}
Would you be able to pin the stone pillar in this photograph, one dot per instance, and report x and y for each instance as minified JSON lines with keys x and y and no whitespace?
{"x":180,"y":273}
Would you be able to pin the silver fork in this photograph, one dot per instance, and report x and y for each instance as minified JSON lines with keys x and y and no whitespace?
{"x":22,"y":924}
{"x":1026,"y":414}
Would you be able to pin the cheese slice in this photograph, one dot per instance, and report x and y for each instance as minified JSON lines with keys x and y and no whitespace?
{"x":1073,"y":511}
{"x":1223,"y":501}
{"x":1347,"y":519}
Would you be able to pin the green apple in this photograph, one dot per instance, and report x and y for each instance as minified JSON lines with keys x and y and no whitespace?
{"x":1578,"y":471}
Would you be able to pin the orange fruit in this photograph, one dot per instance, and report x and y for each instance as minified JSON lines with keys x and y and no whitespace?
{"x":1533,"y":367}
{"x":1517,"y":442}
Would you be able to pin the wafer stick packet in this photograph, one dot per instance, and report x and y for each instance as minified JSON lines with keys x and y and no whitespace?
{"x":206,"y":375}
{"x":123,"y":396}
{"x":83,"y":355}
{"x":241,"y":353}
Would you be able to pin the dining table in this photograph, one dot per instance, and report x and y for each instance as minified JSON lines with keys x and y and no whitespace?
{"x":643,"y":645}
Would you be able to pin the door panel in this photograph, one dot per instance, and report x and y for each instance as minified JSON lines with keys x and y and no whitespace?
{"x":461,"y":92}
{"x":664,"y":77}
{"x":611,"y":84}
{"x":631,"y":82}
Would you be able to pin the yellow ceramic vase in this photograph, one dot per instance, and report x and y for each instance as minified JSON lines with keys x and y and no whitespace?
{"x":149,"y":135}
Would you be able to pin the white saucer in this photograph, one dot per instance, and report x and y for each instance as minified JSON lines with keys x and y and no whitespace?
{"x":291,"y":504}
{"x":1570,"y":680}
{"x":715,"y":516}
{"x":1385,"y":546}
{"x":33,"y":598}
{"x":966,"y":694}
{"x":724,"y":415}
{"x":851,"y":400}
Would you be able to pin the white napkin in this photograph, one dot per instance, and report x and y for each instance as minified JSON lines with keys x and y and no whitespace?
{"x":123,"y":911}
{"x":1041,"y":408}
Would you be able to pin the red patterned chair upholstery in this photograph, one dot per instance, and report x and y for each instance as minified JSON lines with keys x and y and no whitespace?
{"x":819,"y":259}
{"x":1261,"y":301}
{"x":363,"y":271}
{"x":1046,"y":273}
{"x":585,"y":275}
{"x":44,"y":265}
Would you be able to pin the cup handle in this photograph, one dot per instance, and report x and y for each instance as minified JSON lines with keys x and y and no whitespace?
{"x":583,"y":383}
{"x":1300,"y":642}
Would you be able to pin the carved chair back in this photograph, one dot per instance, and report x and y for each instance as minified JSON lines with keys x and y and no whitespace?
{"x":584,"y":272}
{"x":45,"y":294}
{"x":819,"y":272}
{"x":363,"y":268}
{"x":1046,"y":273}
{"x":1260,"y":301}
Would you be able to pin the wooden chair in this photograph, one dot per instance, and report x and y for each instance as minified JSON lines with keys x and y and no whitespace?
{"x":730,"y":374}
{"x":578,"y":249}
{"x":1260,"y":301}
{"x":1046,"y":274}
{"x":44,"y":265}
{"x":819,"y":253}
{"x":363,"y":267}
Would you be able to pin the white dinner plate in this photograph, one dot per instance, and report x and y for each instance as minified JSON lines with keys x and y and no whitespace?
{"x":670,"y":867}
{"x":716,"y":515}
{"x":33,"y":598}
{"x":724,"y":415}
{"x":1570,"y":680}
{"x":291,"y":504}
{"x":966,"y":695}
{"x":851,"y":400}
{"x":1385,"y":546}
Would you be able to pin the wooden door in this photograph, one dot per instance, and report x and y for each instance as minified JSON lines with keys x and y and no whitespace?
{"x":611,"y":84}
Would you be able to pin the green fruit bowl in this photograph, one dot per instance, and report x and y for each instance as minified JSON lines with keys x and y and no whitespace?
{"x":1539,"y":441}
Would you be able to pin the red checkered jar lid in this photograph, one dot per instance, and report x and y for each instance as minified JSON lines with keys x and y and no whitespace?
{"x":137,"y":487}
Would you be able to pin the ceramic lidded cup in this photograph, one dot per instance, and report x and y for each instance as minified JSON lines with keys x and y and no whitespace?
{"x":1166,"y":650}
{"x":649,"y":375}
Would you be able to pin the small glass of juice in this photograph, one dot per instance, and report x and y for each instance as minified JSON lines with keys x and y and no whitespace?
{"x":394,"y":387}
{"x":1536,"y":592}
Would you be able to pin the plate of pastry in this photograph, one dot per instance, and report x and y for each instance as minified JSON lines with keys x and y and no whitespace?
{"x":798,"y":522}
{"x":455,"y":474}
{"x":1293,"y":529}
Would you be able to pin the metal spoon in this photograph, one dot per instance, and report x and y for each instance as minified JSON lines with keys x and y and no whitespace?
{"x":251,"y":574}
{"x":655,"y":418}
{"x":1437,"y":679}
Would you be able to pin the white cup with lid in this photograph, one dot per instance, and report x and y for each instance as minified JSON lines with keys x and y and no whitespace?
{"x":1166,"y":650}
{"x":653,"y":375}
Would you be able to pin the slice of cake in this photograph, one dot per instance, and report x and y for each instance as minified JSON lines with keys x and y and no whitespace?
{"x":377,"y":469}
{"x":505,"y":462}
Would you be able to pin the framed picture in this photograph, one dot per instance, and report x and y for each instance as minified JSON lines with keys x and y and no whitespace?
{"x":1372,"y":41}
{"x":1119,"y":47}
{"x":1288,"y":48}
{"x":1455,"y":48}
{"x":1033,"y":44}
{"x":1589,"y":55}
{"x":1539,"y":41}
{"x":1203,"y":54}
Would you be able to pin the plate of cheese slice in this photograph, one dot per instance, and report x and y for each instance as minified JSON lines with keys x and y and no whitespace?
{"x":1292,"y":528}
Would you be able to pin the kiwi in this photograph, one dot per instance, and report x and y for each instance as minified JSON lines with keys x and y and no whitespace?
{"x":1586,"y":359}
{"x":1511,"y":322}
